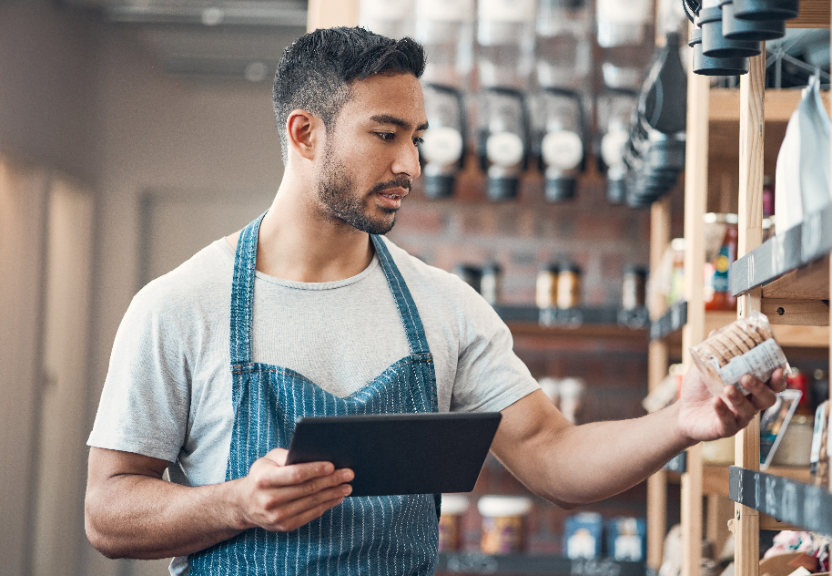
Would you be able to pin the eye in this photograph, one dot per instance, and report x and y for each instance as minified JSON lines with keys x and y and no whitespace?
{"x":386,"y":136}
{"x":418,"y":141}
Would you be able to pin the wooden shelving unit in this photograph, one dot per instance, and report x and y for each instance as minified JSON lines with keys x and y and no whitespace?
{"x":743,"y":128}
{"x":788,"y":279}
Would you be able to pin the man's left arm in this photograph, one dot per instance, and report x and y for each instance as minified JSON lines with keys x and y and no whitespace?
{"x":574,"y":465}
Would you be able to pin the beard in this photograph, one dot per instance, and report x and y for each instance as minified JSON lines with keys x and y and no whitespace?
{"x":337,"y":192}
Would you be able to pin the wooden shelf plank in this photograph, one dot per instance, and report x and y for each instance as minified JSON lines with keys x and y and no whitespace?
{"x":810,"y":282}
{"x":780,"y":105}
{"x":813,"y":14}
{"x":789,"y":500}
{"x":715,"y":477}
{"x":797,"y":247}
{"x":796,"y":312}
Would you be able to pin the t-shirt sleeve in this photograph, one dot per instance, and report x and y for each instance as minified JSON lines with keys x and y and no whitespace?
{"x":489,"y":374}
{"x":145,"y":402}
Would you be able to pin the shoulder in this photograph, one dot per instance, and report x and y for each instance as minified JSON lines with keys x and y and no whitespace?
{"x":197,"y":283}
{"x":422,"y":276}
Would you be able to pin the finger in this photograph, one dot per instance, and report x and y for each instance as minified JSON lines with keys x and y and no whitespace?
{"x":285,"y":493}
{"x":762,"y":397}
{"x":268,"y":474}
{"x":726,"y":417}
{"x":743,"y":409}
{"x":778,"y":382}
{"x":295,"y":521}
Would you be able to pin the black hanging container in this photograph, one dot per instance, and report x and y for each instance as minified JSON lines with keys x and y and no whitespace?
{"x":754,"y":30}
{"x":766,"y":9}
{"x":715,"y":45}
{"x":709,"y":66}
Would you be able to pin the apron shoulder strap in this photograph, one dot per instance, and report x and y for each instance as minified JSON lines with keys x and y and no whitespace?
{"x":404,"y":300}
{"x":242,"y":293}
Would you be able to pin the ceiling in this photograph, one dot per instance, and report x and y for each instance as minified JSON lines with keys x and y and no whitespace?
{"x":224,"y":40}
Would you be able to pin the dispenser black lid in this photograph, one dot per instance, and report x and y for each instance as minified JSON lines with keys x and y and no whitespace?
{"x":760,"y":30}
{"x":502,"y":188}
{"x":616,"y":190}
{"x":560,"y":189}
{"x":439,"y":186}
{"x":766,"y":9}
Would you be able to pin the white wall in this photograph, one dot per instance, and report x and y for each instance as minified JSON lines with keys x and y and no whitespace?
{"x":88,"y":99}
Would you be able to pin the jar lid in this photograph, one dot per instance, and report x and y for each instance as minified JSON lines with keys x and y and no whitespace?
{"x":677,"y":244}
{"x":635,"y":269}
{"x":570,"y":267}
{"x":491,"y":268}
{"x":453,"y":504}
{"x":552,"y":267}
{"x":493,"y":506}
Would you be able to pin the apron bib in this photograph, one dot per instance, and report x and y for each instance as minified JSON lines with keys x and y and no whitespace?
{"x":363,"y":535}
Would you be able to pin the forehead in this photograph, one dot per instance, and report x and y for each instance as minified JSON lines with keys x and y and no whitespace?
{"x":399,"y":95}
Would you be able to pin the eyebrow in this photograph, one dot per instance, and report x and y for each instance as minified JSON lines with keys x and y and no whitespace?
{"x":388,"y":119}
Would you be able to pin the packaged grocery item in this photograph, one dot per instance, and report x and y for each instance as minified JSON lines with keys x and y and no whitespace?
{"x":569,"y":286}
{"x":582,"y":536}
{"x":723,"y":233}
{"x":819,"y":458}
{"x":802,"y":176}
{"x":450,"y":532}
{"x":627,"y":539}
{"x":503,"y":523}
{"x":746,"y":346}
{"x":795,"y":447}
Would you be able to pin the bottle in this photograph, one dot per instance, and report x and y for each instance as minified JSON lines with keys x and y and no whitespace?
{"x":615,"y":108}
{"x":443,"y":144}
{"x":503,"y":129}
{"x":560,"y":142}
{"x":717,"y":292}
{"x":391,"y":18}
{"x":446,"y":30}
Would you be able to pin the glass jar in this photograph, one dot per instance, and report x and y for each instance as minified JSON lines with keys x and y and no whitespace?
{"x":491,"y":283}
{"x":569,"y":286}
{"x":633,"y":287}
{"x":546,"y":288}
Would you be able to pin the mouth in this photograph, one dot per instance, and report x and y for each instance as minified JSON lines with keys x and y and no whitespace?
{"x":392,"y":197}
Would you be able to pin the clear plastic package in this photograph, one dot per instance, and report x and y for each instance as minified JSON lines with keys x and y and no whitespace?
{"x":746,"y":346}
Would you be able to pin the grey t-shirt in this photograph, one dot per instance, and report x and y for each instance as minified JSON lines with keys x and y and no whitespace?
{"x":168,"y":388}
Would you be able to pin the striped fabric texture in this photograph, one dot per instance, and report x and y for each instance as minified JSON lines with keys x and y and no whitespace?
{"x":364,"y":535}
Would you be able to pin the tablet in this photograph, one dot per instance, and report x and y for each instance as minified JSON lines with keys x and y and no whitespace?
{"x":399,"y":453}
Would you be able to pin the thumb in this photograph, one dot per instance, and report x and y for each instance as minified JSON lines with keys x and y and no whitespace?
{"x":278,"y":456}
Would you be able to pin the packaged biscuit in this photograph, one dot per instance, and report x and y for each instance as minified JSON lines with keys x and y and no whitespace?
{"x":746,"y":346}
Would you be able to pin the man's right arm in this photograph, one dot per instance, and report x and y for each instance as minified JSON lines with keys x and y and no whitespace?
{"x":131,"y":512}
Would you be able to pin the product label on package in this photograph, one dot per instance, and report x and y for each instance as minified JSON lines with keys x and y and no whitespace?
{"x":760,"y":361}
{"x":618,"y":12}
{"x":446,"y":10}
{"x":507,"y":10}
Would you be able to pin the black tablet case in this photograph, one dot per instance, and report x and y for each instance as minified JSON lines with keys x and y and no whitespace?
{"x":399,"y":453}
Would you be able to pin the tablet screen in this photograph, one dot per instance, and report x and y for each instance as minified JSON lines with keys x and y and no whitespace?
{"x":399,"y":453}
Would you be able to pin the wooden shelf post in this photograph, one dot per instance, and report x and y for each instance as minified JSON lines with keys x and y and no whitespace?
{"x":696,"y":196}
{"x":752,"y":139}
{"x":658,"y":355}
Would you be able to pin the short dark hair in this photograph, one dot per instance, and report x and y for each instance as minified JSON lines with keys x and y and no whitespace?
{"x":315,"y":72}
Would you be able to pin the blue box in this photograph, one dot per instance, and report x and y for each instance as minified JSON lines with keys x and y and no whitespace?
{"x":627,"y":539}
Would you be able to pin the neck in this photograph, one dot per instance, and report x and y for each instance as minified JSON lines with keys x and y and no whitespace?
{"x":298,"y":242}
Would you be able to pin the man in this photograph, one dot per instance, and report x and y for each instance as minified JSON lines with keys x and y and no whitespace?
{"x":310,"y":311}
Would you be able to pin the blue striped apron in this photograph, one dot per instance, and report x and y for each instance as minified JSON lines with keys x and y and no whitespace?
{"x":363,"y":535}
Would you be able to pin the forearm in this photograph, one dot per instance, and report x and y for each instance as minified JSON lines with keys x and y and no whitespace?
{"x":134,"y":516}
{"x":598,"y":460}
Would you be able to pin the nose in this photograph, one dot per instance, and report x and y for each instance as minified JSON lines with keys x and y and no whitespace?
{"x":407,"y":161}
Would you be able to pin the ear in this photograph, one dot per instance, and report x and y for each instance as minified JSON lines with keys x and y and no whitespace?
{"x":305,"y":133}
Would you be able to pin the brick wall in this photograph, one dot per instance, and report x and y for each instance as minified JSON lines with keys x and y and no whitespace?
{"x":526,"y":232}
{"x":520,"y":235}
